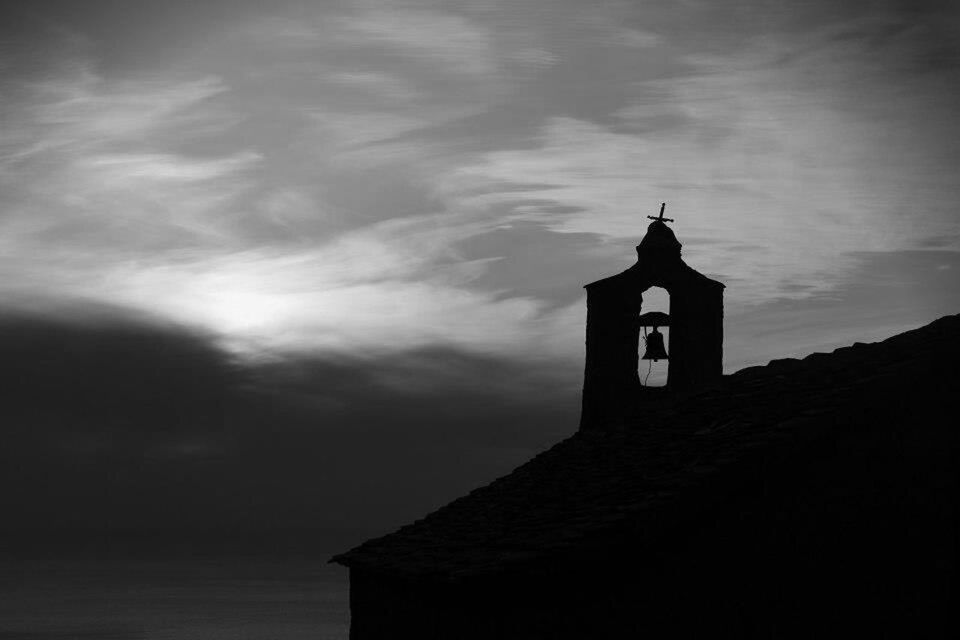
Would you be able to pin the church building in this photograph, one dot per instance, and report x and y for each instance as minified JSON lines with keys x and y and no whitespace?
{"x":804,"y":498}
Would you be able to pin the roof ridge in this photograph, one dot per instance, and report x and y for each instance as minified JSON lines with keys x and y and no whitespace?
{"x":591,"y":481}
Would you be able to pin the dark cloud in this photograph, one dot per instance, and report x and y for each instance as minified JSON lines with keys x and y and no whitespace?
{"x":121,"y":426}
{"x":98,"y":374}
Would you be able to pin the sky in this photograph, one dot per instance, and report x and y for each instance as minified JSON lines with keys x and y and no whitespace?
{"x":320,"y":264}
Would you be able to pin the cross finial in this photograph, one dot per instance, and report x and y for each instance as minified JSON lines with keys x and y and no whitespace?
{"x":663,"y":205}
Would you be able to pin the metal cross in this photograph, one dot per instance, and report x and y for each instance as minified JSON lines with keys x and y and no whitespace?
{"x":663,"y":205}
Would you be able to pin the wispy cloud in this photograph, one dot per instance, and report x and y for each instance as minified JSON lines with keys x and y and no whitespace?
{"x":447,"y":39}
{"x":93,"y":179}
{"x":80,"y":110}
{"x":89,"y":165}
{"x":111,"y":207}
{"x":390,"y":86}
{"x":745,"y":154}
{"x":86,"y":105}
{"x":109,"y":213}
{"x":395,"y":279}
{"x":389,"y":176}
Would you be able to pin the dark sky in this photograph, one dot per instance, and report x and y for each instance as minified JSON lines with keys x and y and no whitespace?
{"x":318,"y":265}
{"x":130,"y":426}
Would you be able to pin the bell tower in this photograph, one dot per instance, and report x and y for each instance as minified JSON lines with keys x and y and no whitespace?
{"x":611,"y":385}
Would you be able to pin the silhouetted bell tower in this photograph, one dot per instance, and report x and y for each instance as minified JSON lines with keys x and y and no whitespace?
{"x":611,"y":386}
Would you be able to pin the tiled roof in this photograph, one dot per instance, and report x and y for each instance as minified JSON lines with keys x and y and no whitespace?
{"x":658,"y":463}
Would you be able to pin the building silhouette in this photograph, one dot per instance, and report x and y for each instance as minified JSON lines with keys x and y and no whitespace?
{"x":799,"y":499}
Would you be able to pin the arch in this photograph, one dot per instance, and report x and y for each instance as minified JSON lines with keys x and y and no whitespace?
{"x":656,"y":305}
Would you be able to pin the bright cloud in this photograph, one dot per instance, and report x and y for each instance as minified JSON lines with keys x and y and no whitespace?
{"x":391,"y":287}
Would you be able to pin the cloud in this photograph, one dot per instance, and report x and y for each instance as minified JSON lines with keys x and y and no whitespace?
{"x":637,"y":38}
{"x":104,"y":376}
{"x":603,"y":178}
{"x":383,"y":177}
{"x":145,"y":426}
{"x":92,"y":176}
{"x":137,"y":170}
{"x":106,"y":207}
{"x":102,"y":150}
{"x":343,"y":131}
{"x":79,"y":111}
{"x":409,"y":39}
{"x":85,"y":106}
{"x":447,"y":39}
{"x":759,"y":146}
{"x":390,"y":287}
{"x":390,"y":86}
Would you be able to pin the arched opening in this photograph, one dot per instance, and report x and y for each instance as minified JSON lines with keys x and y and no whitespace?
{"x":653,"y":373}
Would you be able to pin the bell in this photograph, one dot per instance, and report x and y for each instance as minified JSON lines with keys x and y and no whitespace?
{"x":655,"y":349}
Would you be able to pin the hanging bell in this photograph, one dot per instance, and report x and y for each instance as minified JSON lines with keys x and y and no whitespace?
{"x":655,"y":349}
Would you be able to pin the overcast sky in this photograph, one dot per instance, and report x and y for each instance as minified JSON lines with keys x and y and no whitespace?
{"x":414,"y":192}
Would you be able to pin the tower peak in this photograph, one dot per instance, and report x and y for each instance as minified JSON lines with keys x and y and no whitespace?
{"x":660,"y":218}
